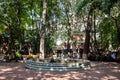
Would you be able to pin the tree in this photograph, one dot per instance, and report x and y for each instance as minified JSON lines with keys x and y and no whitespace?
{"x":43,"y":28}
{"x":105,"y":7}
{"x":89,"y":23}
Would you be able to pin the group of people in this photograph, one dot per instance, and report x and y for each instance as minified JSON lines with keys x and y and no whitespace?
{"x":105,"y":55}
{"x":72,"y":51}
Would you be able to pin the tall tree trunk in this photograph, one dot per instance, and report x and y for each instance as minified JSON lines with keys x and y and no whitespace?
{"x":42,"y":40}
{"x":118,"y":31}
{"x":11,"y":39}
{"x":87,"y":36}
{"x":94,"y":32}
{"x":18,"y":7}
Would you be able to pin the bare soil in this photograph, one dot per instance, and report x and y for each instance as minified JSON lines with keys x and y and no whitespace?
{"x":99,"y":71}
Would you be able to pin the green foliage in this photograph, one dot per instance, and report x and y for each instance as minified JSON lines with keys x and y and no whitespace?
{"x":17,"y":16}
{"x":108,"y":33}
{"x":49,"y":42}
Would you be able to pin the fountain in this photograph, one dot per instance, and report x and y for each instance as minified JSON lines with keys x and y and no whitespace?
{"x":57,"y":64}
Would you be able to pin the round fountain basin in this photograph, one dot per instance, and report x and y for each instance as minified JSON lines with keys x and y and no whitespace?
{"x":57,"y":65}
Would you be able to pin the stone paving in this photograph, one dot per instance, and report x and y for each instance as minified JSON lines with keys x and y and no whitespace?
{"x":99,"y":71}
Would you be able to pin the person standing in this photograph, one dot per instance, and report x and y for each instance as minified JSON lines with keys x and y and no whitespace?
{"x":81,"y":48}
{"x":17,"y":56}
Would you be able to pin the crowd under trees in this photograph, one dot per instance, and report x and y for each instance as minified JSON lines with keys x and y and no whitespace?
{"x":37,"y":24}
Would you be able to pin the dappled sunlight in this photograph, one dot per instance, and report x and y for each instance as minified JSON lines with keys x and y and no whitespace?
{"x":104,"y":78}
{"x":115,"y":70}
{"x":66,"y":75}
{"x":97,"y":72}
{"x":74,"y":75}
{"x":59,"y":39}
{"x":112,"y":77}
{"x":115,"y":67}
{"x":30,"y":78}
{"x":61,"y":77}
{"x":101,"y":71}
{"x":4,"y":70}
{"x":109,"y":78}
{"x":3,"y":77}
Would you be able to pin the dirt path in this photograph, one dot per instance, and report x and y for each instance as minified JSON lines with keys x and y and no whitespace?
{"x":99,"y":71}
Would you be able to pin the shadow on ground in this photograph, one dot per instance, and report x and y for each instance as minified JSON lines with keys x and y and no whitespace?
{"x":99,"y":71}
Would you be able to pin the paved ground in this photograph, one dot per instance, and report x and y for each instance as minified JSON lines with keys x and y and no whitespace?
{"x":99,"y":71}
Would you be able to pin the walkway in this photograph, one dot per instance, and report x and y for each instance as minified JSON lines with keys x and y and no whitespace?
{"x":99,"y":71}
